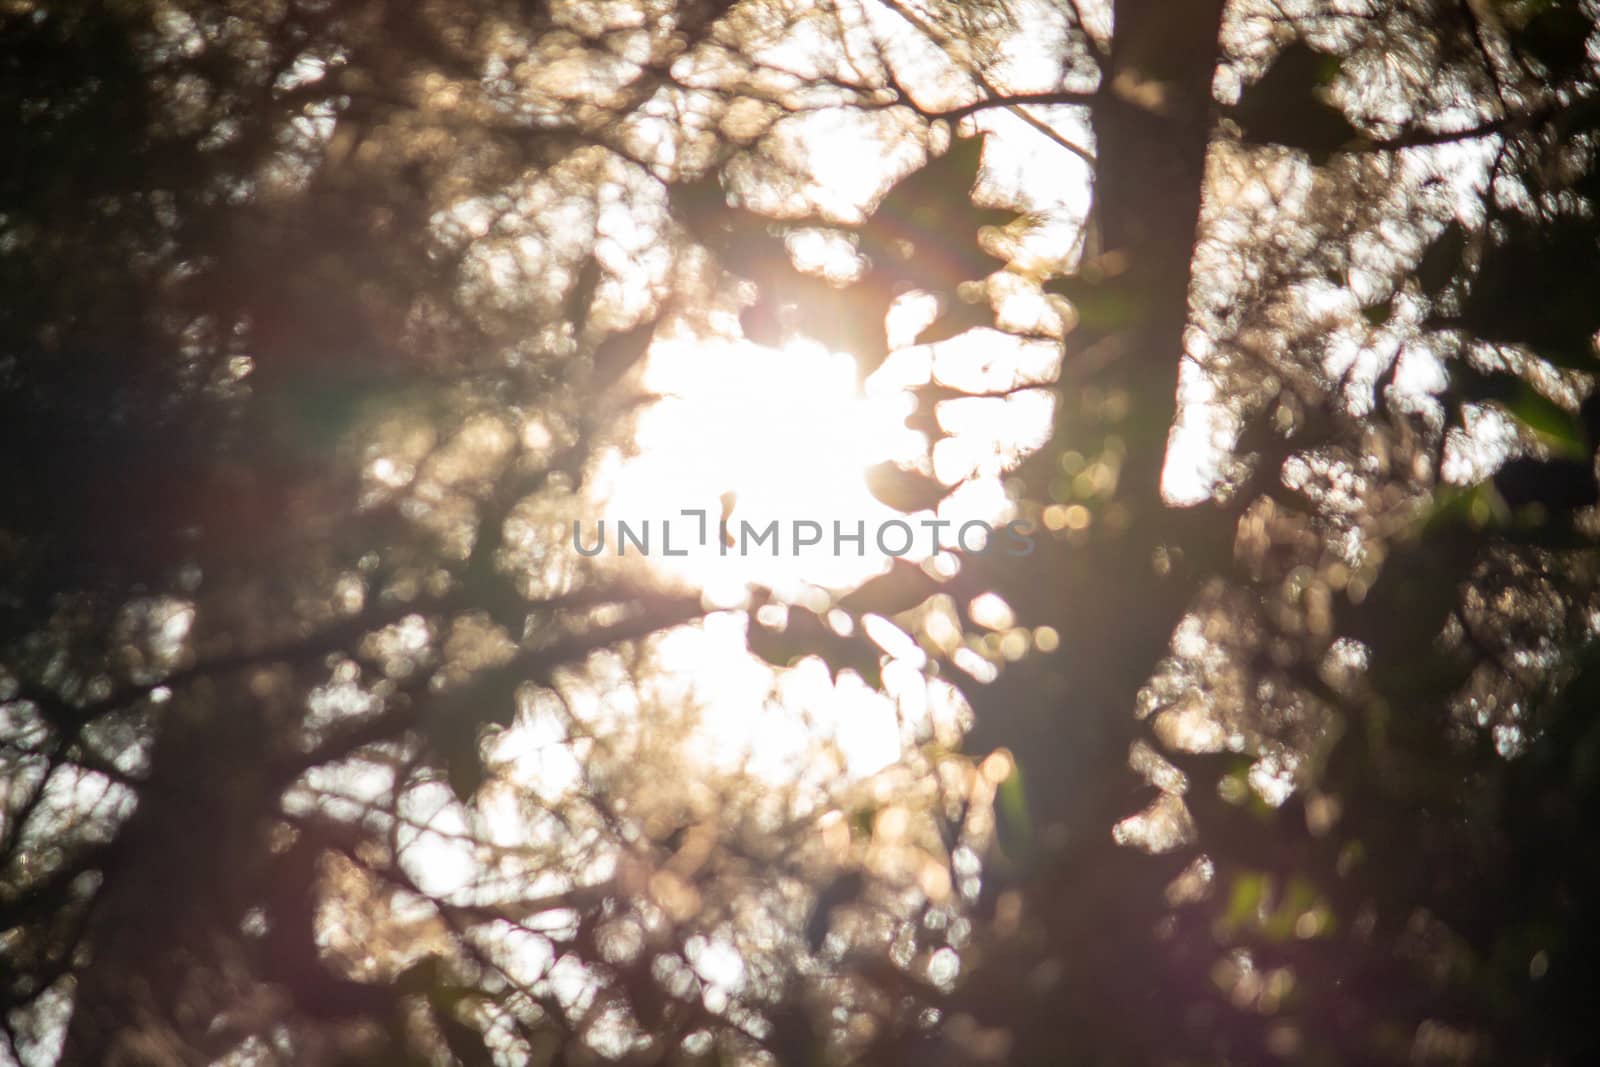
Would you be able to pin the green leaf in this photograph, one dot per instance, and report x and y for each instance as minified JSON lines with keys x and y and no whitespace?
{"x":1553,"y":424}
{"x":1013,"y":823}
{"x":1556,"y":427}
{"x":1245,"y":900}
{"x":1464,"y":506}
{"x":862,"y":820}
{"x":1299,"y":897}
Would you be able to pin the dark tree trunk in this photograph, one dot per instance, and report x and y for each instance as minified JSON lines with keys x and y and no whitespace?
{"x":1084,"y":956}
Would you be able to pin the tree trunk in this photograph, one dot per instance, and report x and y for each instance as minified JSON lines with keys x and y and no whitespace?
{"x":1087,"y":900}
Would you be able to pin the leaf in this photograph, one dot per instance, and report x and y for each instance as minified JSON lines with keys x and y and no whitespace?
{"x":862,"y":820}
{"x":744,"y":242}
{"x":465,"y":1042}
{"x":580,"y":298}
{"x":924,"y":232}
{"x":1285,"y":106}
{"x":453,"y":735}
{"x":841,"y":891}
{"x":956,"y":318}
{"x":1535,"y":288}
{"x":1481,"y":386}
{"x":904,"y":587}
{"x":700,"y":206}
{"x":1299,"y":897}
{"x":309,"y":413}
{"x":465,"y":772}
{"x":920,"y":200}
{"x":1012,"y":822}
{"x":1574,"y":359}
{"x":1442,"y":258}
{"x":455,"y":720}
{"x":1102,"y":305}
{"x":807,"y":634}
{"x":1245,"y":899}
{"x":1454,"y":507}
{"x":619,"y":353}
{"x":904,"y":490}
{"x":1553,"y":424}
{"x":1557,"y":36}
{"x":1558,"y":486}
{"x":420,"y":978}
{"x":924,"y":418}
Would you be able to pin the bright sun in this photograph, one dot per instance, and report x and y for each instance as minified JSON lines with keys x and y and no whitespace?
{"x":787,"y":435}
{"x":786,"y":431}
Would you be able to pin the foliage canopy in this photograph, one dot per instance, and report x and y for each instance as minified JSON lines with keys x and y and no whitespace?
{"x":1272,"y":323}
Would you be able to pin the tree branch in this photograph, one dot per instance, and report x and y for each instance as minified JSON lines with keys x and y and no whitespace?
{"x":1013,"y":101}
{"x":993,"y":97}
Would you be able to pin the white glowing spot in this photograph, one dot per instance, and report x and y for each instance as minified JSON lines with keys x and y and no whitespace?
{"x":174,"y":629}
{"x":787,"y":433}
{"x":540,"y":755}
{"x":387,"y":472}
{"x":944,"y":968}
{"x":717,"y":962}
{"x":990,"y":611}
{"x":865,"y":727}
{"x":893,"y":640}
{"x":980,"y":669}
{"x":824,"y":252}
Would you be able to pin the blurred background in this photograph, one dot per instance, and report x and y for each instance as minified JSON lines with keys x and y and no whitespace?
{"x":340,"y":722}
